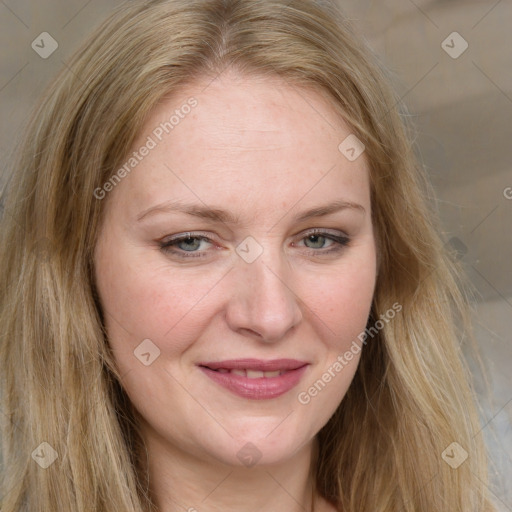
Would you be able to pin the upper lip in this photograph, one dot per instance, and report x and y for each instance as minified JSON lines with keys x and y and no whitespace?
{"x":256,"y":364}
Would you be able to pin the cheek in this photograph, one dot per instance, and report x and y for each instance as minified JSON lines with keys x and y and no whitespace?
{"x":142,"y":300}
{"x":341,"y":300}
{"x":340,"y":304}
{"x":145,"y":298}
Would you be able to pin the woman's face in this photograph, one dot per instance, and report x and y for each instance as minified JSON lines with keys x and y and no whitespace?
{"x":238,"y":242}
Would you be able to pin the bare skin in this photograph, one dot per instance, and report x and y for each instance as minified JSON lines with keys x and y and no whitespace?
{"x":265,"y":152}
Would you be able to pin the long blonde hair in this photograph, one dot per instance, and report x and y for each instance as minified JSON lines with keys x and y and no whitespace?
{"x":410,"y":398}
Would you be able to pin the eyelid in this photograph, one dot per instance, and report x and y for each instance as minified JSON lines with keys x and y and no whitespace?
{"x":208,"y":236}
{"x":166,"y":244}
{"x":339,"y":238}
{"x":203,"y":235}
{"x":323,"y":231}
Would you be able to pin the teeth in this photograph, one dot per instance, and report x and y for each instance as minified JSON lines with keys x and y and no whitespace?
{"x":252,"y":374}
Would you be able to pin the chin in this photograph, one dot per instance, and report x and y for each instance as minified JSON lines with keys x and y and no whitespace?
{"x":262,"y":442}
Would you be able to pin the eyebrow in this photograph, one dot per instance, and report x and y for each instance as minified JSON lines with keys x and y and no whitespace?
{"x":220,"y":215}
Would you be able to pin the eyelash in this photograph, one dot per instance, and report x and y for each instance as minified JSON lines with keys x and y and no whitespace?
{"x":340,"y":242}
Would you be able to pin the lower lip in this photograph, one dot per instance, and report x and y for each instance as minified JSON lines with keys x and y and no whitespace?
{"x":261,"y":388}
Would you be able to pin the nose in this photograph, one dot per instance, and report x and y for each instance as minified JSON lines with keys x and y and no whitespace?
{"x":263,"y":304}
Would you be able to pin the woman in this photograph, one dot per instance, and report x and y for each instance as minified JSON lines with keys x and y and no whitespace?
{"x":223,"y":286}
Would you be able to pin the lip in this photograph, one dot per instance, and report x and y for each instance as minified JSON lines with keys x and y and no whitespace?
{"x":256,"y":364}
{"x":260,"y":388}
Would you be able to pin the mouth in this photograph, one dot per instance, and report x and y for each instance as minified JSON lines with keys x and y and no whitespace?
{"x":256,"y":379}
{"x":257,"y":365}
{"x":251,"y":374}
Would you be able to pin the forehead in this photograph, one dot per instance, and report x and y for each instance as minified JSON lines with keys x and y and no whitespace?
{"x":246,"y":141}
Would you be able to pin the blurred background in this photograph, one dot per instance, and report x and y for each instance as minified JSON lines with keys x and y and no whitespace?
{"x":452,"y":64}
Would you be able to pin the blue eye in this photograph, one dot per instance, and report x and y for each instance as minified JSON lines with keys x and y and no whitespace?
{"x":325,"y":243}
{"x":190,"y":245}
{"x":317,"y":241}
{"x":185,"y":244}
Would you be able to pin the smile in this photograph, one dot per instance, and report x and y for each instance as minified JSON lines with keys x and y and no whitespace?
{"x":256,"y":379}
{"x":252,"y":374}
